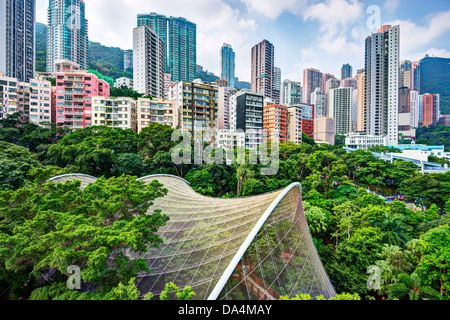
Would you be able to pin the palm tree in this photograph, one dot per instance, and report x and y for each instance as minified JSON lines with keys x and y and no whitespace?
{"x":410,"y":288}
{"x":393,"y":226}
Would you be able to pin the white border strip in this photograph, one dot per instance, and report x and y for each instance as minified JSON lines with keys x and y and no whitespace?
{"x":252,"y":235}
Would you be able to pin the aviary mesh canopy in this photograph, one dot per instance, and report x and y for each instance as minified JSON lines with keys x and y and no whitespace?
{"x":252,"y":248}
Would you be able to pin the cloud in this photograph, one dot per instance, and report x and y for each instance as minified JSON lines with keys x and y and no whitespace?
{"x":391,"y":5}
{"x":414,"y":37}
{"x":273,"y":9}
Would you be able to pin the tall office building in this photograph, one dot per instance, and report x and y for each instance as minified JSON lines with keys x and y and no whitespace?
{"x":180,"y":42}
{"x":382,"y":77}
{"x":17,"y":39}
{"x":346,"y":71}
{"x":67,"y":33}
{"x":148,"y":62}
{"x":341,"y":109}
{"x":227,"y":64}
{"x":262,"y":78}
{"x":312,"y":79}
{"x":292,"y":92}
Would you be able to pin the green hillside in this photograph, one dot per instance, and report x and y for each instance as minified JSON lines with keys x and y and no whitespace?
{"x":435,"y":78}
{"x":106,"y":60}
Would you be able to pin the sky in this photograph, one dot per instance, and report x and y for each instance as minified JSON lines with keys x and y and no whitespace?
{"x":306,"y":33}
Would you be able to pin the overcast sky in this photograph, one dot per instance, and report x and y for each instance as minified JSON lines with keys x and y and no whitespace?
{"x":306,"y":33}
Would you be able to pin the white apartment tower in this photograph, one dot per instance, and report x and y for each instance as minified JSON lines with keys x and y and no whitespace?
{"x":382,"y":77}
{"x":148,"y":62}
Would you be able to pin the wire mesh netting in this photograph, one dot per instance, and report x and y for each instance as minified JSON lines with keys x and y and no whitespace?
{"x":204,"y":234}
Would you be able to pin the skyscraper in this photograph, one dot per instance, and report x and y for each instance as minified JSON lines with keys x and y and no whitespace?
{"x":67,"y":33}
{"x":127,"y":59}
{"x":148,"y":62}
{"x":262,"y":79}
{"x":415,"y":76}
{"x":382,"y":76}
{"x":312,"y":79}
{"x":227,"y":64}
{"x":276,"y":92}
{"x":346,"y":71}
{"x":430,"y":109}
{"x":318,"y":100}
{"x":17,"y":48}
{"x":340,"y":109}
{"x":361,"y":104}
{"x":180,"y":42}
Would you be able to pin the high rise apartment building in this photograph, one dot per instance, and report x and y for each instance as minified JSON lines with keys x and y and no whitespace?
{"x":246,"y":114}
{"x":318,"y":100}
{"x":275,"y":122}
{"x":227,"y":64}
{"x":292,"y":92}
{"x":180,"y":43}
{"x":341,"y":108}
{"x":32,"y":100}
{"x":430,"y":109}
{"x":330,"y":84}
{"x":262,"y":69}
{"x":361,"y":103}
{"x":73,"y":98}
{"x":346,"y":71}
{"x":114,"y":112}
{"x":324,"y":130}
{"x":295,"y":124}
{"x":156,"y":111}
{"x":276,"y":92}
{"x":67,"y":33}
{"x":17,"y":39}
{"x":127,"y":60}
{"x":148,"y":62}
{"x":197,"y":104}
{"x":312,"y":79}
{"x":415,"y":76}
{"x":382,"y":77}
{"x":224,"y":106}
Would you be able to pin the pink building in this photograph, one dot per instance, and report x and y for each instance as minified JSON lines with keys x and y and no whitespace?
{"x":74,"y":92}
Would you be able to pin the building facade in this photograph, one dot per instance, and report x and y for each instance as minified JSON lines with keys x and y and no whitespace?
{"x":295,"y":124}
{"x":67,"y":33}
{"x":341,"y":108}
{"x":74,"y":92}
{"x":156,"y":111}
{"x":148,"y":62}
{"x":246,"y":114}
{"x":292,"y":92}
{"x":324,"y":130}
{"x":318,"y":100}
{"x":430,"y":109}
{"x":275,"y":122}
{"x":382,"y":77}
{"x":124,"y":81}
{"x":262,"y":68}
{"x":114,"y":112}
{"x":127,"y":60}
{"x":224,"y":106}
{"x":180,"y":42}
{"x":346,"y":71}
{"x":197,"y":104}
{"x":17,"y":39}
{"x":312,"y":79}
{"x":227,"y":64}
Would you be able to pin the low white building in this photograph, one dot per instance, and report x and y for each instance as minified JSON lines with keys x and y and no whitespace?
{"x":364,"y":142}
{"x":124,"y":81}
{"x":114,"y":112}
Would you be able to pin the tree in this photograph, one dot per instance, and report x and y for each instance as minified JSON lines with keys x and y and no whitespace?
{"x":433,"y":267}
{"x":393,"y":226}
{"x":411,"y":288}
{"x":186,"y":294}
{"x":46,"y":228}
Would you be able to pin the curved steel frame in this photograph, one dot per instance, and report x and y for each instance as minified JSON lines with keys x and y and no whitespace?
{"x":239,"y":254}
{"x":244,"y":246}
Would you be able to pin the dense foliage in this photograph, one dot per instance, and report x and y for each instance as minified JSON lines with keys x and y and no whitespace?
{"x":352,"y":228}
{"x":436,"y":135}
